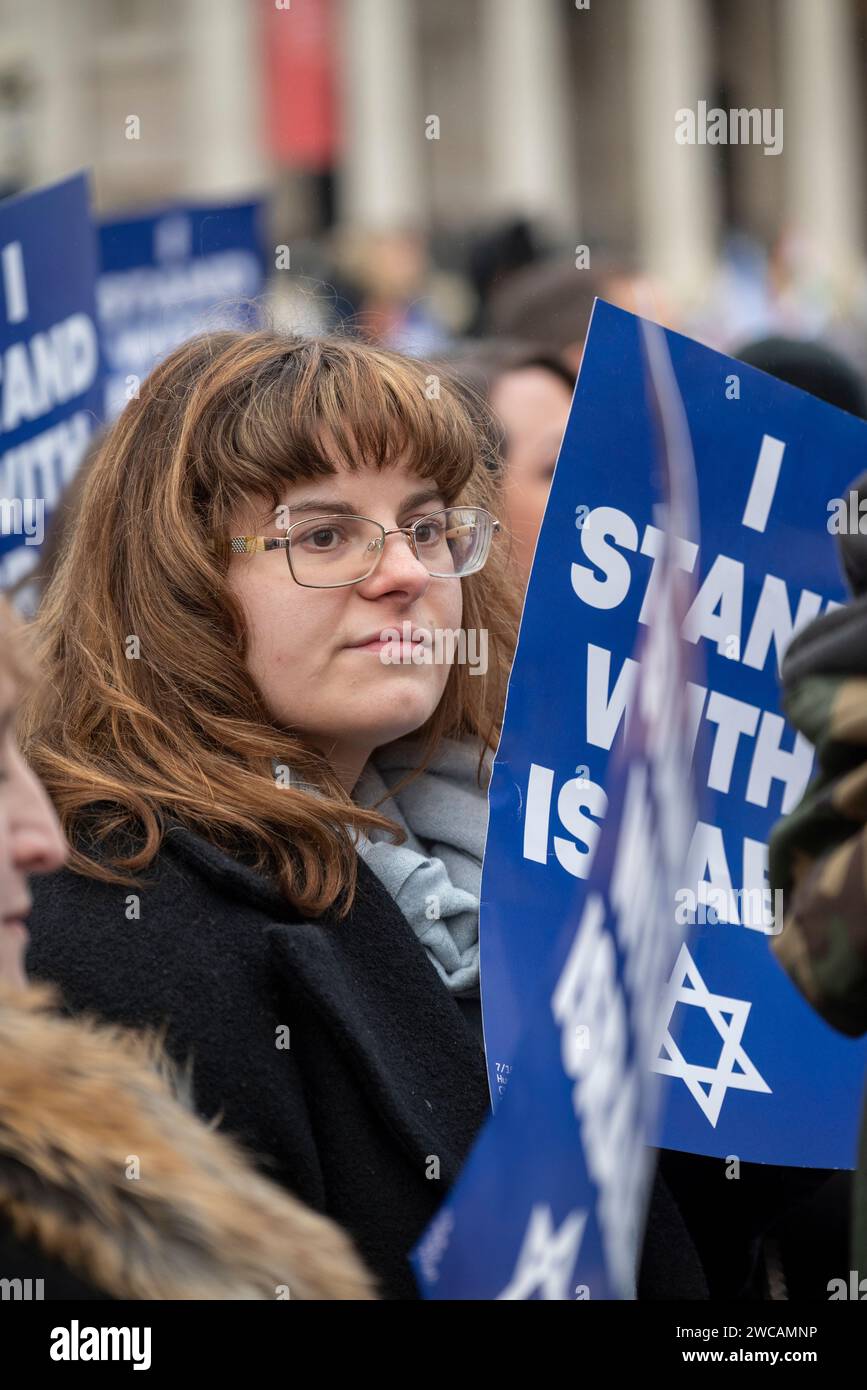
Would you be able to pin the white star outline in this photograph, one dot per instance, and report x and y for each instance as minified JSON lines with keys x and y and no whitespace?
{"x":547,"y":1256}
{"x":722,"y":1078}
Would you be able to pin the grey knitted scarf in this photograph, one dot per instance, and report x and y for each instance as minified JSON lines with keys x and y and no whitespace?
{"x":435,"y":876}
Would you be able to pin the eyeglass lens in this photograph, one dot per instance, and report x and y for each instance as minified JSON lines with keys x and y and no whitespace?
{"x":342,"y":549}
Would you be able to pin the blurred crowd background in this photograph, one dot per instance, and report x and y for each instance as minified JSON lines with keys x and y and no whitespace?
{"x":458,"y":179}
{"x":418,"y":158}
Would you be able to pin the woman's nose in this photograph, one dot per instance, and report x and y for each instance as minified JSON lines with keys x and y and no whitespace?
{"x":398,"y":566}
{"x":38,"y":843}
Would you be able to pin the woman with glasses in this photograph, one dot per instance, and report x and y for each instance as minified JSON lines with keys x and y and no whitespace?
{"x":217,"y":726}
{"x":277,"y":813}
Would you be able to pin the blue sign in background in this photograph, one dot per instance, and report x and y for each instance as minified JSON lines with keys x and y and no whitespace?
{"x":172,"y":274}
{"x":49,"y":343}
{"x":757,"y":1073}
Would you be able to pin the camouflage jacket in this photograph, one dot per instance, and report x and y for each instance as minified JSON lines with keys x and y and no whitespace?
{"x":818,"y":854}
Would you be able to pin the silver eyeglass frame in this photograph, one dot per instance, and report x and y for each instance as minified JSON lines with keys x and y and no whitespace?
{"x":251,"y":545}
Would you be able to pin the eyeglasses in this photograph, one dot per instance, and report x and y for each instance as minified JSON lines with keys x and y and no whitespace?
{"x":327,"y":552}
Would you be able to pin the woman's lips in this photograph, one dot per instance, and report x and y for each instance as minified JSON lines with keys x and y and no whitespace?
{"x":398,"y":638}
{"x":398,"y":648}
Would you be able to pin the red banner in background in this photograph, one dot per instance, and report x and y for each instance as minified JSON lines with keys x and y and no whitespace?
{"x":299,"y":46}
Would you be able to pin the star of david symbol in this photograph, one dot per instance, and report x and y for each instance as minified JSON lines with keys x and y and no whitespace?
{"x":547,"y":1256}
{"x":708,"y":1086}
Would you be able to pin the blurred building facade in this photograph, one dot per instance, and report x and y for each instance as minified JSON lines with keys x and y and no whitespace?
{"x":420,"y":114}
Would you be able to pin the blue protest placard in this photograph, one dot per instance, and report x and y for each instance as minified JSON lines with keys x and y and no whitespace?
{"x":747,"y":1067}
{"x":49,"y":360}
{"x":168,"y":276}
{"x":551,"y":1203}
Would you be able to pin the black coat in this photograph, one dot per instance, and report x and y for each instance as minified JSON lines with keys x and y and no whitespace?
{"x":382,"y":1083}
{"x":369,"y":1113}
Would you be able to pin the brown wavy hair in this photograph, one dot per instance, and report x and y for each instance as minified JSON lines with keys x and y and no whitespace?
{"x":17,"y":667}
{"x":182,"y":733}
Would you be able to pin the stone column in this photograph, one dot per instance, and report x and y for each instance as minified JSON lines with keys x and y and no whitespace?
{"x":222,"y":98}
{"x":676,"y":193}
{"x":57,"y":38}
{"x":383,"y":182}
{"x":822,"y":154}
{"x":530,"y":165}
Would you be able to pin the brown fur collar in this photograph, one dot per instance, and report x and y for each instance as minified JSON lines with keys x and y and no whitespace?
{"x":80,"y":1102}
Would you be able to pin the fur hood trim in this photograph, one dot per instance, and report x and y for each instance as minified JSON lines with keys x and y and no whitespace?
{"x":104,"y":1165}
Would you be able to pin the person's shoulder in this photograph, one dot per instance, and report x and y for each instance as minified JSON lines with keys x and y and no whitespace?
{"x":81,"y":882}
{"x":98,"y":935}
{"x":67,"y":891}
{"x":121,"y":854}
{"x":143,"y":955}
{"x":82,"y":920}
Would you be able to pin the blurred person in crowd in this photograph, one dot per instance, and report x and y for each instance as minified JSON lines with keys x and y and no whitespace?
{"x":793,"y":1220}
{"x":812,"y":366}
{"x":277,"y":833}
{"x":528,"y":393}
{"x":549,"y":303}
{"x":813,"y":289}
{"x":494,"y":255}
{"x":737,"y":302}
{"x":110,"y":1186}
{"x":390,"y":278}
{"x":818,"y":853}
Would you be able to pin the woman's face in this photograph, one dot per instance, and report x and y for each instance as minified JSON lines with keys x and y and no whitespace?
{"x":533,"y":406}
{"x":316,"y":654}
{"x":31,"y":842}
